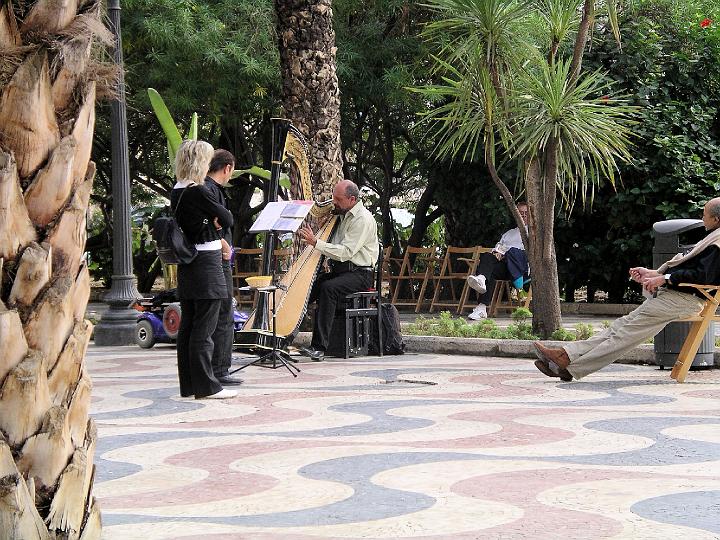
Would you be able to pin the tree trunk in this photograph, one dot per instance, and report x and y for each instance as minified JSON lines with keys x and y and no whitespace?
{"x":311,"y":96}
{"x":541,"y":255}
{"x":423,"y":219}
{"x":47,"y":116}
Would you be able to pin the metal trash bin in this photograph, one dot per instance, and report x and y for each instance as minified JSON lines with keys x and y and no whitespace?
{"x":669,"y":341}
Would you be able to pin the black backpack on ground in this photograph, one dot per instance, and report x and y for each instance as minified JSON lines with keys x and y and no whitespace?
{"x":391,"y":333}
{"x":172,"y":245}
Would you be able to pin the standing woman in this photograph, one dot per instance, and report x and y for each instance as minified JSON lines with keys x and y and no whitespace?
{"x":201,"y":284}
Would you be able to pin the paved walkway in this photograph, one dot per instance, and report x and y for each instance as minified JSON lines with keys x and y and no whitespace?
{"x":416,"y":446}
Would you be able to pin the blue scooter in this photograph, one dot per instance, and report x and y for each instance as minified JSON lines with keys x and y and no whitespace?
{"x":159,"y":319}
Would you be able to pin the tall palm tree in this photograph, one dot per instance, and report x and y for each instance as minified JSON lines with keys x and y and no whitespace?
{"x":311,"y":96}
{"x":47,"y":114}
{"x":501,"y":90}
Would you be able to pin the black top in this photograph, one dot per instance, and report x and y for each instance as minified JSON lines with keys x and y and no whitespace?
{"x":703,"y":269}
{"x":219,"y":193}
{"x":198,"y":208}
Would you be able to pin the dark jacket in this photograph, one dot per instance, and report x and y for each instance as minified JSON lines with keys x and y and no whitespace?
{"x":219,"y":193}
{"x":196,"y":213}
{"x":702,"y":269}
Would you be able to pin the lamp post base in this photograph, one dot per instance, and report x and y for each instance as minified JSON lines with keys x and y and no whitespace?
{"x":117,"y":325}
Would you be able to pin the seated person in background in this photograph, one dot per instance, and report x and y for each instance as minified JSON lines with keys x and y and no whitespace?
{"x":352,"y":252}
{"x":507,"y":261}
{"x":670,"y":303}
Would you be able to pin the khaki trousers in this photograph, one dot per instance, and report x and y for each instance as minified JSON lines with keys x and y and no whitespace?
{"x":628,"y":332}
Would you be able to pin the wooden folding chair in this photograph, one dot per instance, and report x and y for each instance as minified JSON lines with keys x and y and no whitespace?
{"x":454,"y":268}
{"x":415,"y":271}
{"x":699,"y":326}
{"x":472,"y":268}
{"x":248,"y":262}
{"x":390,"y":269}
{"x":502,"y":298}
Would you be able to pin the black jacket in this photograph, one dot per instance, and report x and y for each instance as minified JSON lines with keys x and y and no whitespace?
{"x":198,"y":208}
{"x":702,"y":269}
{"x":219,"y":194}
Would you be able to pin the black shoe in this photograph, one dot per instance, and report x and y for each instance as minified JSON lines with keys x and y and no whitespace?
{"x":229,"y":380}
{"x":315,"y":355}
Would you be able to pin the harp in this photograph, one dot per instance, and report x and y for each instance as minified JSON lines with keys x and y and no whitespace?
{"x":291,"y":299}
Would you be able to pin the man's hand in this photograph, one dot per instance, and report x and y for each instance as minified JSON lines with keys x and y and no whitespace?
{"x":652,"y":283}
{"x":640,"y":274}
{"x":226,"y":249}
{"x":499,"y":256}
{"x":307,"y":235}
{"x":218,"y":227}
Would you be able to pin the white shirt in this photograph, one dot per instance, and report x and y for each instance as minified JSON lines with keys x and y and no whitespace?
{"x":511,"y":239}
{"x":355,"y":238}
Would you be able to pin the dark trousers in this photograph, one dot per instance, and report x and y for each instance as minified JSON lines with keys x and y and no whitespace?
{"x":225,"y":330}
{"x":506,"y":269}
{"x":328,"y":290}
{"x":493,"y":270}
{"x":195,"y":347}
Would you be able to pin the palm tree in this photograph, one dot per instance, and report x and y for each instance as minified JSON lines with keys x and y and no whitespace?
{"x":47,"y":113}
{"x":311,"y":96}
{"x":502,"y":91}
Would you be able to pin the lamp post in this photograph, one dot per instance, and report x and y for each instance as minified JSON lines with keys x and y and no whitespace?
{"x":117,"y":326}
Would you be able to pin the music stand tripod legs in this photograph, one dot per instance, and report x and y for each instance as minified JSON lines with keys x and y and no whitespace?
{"x":276,"y":357}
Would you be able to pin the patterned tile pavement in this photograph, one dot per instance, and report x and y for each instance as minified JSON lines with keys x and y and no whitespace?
{"x":415,"y":446}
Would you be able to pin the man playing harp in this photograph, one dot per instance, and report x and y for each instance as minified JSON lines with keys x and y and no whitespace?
{"x":351,"y":253}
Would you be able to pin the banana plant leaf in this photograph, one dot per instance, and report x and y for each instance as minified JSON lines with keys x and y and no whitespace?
{"x":262,"y":173}
{"x":167,"y":123}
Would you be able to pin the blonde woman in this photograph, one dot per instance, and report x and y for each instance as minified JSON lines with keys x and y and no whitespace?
{"x":201,"y":284}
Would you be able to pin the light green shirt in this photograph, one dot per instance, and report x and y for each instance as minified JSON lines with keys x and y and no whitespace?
{"x":355,"y":239}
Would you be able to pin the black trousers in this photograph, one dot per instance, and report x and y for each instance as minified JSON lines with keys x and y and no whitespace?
{"x":328,"y":290}
{"x":493,"y":270}
{"x":195,"y":347}
{"x":225,"y":330}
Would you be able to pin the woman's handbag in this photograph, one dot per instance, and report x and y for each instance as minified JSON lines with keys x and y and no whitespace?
{"x":172,"y":245}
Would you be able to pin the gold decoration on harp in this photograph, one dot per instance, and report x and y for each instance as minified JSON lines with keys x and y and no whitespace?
{"x":296,"y":149}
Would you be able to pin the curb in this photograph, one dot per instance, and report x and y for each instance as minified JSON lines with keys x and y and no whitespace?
{"x":515,"y":348}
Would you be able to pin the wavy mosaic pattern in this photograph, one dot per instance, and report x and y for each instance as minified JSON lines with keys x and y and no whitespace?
{"x":416,"y":446}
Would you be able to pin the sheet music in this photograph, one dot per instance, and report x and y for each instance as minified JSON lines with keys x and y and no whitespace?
{"x":282,"y":216}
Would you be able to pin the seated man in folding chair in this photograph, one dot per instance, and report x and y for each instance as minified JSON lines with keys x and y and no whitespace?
{"x":669,"y":303}
{"x":351,"y":254}
{"x":507,"y":261}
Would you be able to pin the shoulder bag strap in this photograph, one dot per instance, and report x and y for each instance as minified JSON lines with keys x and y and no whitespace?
{"x":174,"y":212}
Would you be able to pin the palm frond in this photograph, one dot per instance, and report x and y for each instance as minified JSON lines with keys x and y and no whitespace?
{"x":591,"y":129}
{"x":489,"y":30}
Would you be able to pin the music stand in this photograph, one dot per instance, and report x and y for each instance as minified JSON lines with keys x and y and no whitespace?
{"x":278,"y":357}
{"x":277,"y":217}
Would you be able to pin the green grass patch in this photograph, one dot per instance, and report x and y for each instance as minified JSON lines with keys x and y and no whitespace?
{"x":448,"y":326}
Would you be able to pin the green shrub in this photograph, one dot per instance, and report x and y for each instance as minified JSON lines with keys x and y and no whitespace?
{"x":447,"y":326}
{"x":561,"y":334}
{"x":583,"y":331}
{"x":521,"y":315}
{"x":521,"y":330}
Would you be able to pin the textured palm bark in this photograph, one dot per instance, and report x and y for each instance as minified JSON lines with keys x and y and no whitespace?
{"x":540,"y":186}
{"x":311,"y":95}
{"x":47,"y":117}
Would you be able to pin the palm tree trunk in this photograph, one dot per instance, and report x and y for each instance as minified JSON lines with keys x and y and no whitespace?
{"x":540,"y":185}
{"x":47,"y":116}
{"x":311,"y":96}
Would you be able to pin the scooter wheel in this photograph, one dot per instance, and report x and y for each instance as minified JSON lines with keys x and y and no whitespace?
{"x":171,"y":320}
{"x":144,"y":335}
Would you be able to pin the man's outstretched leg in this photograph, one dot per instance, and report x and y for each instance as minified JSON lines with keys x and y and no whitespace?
{"x":580,"y":358}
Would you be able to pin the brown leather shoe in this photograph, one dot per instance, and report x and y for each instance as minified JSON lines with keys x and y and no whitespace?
{"x":544,"y":368}
{"x":559,"y":356}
